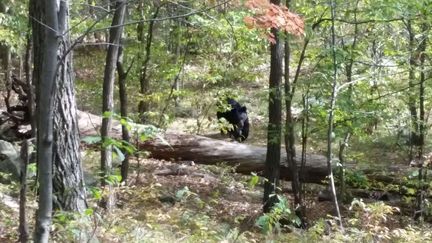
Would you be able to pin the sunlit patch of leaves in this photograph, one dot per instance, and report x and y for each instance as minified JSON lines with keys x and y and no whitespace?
{"x":267,"y":15}
{"x":271,"y":222}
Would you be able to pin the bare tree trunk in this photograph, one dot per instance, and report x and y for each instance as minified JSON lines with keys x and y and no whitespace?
{"x":122,"y":76}
{"x":23,"y":227}
{"x":342,"y":146}
{"x":330,"y":133}
{"x":144,"y":105}
{"x":36,"y":9}
{"x":29,"y":81}
{"x":422,"y":173}
{"x":422,"y":125}
{"x":68,"y":175}
{"x":348,"y":70}
{"x":272,"y":171}
{"x":177,"y":61}
{"x":8,"y":74}
{"x":5,"y":57}
{"x":290,"y":89}
{"x":108,"y":93}
{"x":45,"y":121}
{"x":289,"y":129}
{"x":305,"y":131}
{"x":412,"y":106}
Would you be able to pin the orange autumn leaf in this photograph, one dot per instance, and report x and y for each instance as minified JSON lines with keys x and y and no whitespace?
{"x":267,"y":15}
{"x":249,"y":21}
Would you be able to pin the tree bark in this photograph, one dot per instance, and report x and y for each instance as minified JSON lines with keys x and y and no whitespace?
{"x":144,"y":105}
{"x":349,"y":73}
{"x":289,"y":126}
{"x":412,"y":106}
{"x":68,"y":175}
{"x":108,"y":93}
{"x":122,"y":76}
{"x":422,"y":121}
{"x":7,"y":66}
{"x":330,"y":133}
{"x":45,"y":121}
{"x":272,"y":172}
{"x":31,"y":105}
{"x":420,"y":146}
{"x":36,"y":9}
{"x":23,"y":227}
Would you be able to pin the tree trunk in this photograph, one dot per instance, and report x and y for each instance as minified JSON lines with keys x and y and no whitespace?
{"x":122,"y":76}
{"x":422,"y":125}
{"x":422,"y":173}
{"x":108,"y":93}
{"x":68,"y":175}
{"x":36,"y":10}
{"x":330,"y":133}
{"x":289,"y":126}
{"x":7,"y":66}
{"x":272,"y":172}
{"x":349,"y":73}
{"x":45,"y":121}
{"x":304,"y":141}
{"x":412,"y":106}
{"x":6,"y":58}
{"x":23,"y":227}
{"x":177,"y":58}
{"x":29,"y":81}
{"x":144,"y":105}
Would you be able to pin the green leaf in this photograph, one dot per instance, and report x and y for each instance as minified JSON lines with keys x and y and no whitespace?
{"x":411,"y":191}
{"x":113,"y":179}
{"x":89,"y":211}
{"x":119,"y":153}
{"x":31,"y":168}
{"x":128,"y":147}
{"x":107,"y":114}
{"x":180,"y":194}
{"x":96,"y":193}
{"x":91,"y":139}
{"x":254,"y":180}
{"x":414,"y":174}
{"x":264,"y":222}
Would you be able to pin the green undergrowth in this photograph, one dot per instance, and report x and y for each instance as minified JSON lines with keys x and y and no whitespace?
{"x":208,"y":203}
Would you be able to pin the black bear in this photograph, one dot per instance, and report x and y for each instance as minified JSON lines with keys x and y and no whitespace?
{"x":237,"y":116}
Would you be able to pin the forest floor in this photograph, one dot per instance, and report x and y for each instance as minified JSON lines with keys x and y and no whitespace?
{"x":186,"y":202}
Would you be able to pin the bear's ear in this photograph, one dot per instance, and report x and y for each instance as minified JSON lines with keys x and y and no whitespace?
{"x":243,"y":109}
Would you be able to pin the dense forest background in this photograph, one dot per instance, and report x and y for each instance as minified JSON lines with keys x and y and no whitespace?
{"x":116,"y":101}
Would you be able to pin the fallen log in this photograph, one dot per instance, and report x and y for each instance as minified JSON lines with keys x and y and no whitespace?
{"x":245,"y":158}
{"x":203,"y":150}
